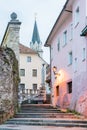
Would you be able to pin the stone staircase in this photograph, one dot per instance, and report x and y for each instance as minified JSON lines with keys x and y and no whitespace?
{"x":45,"y":115}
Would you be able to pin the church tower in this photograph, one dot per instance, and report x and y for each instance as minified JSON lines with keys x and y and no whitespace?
{"x":36,"y":43}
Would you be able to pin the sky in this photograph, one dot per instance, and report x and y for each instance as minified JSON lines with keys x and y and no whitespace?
{"x":46,"y":12}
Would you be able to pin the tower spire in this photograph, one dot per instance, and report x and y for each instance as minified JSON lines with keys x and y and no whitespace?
{"x":35,"y":36}
{"x":36,"y":43}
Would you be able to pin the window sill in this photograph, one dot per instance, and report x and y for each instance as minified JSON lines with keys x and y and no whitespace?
{"x":83,"y":60}
{"x":76,"y":24}
{"x":71,"y":39}
{"x":69,"y":64}
{"x":64,"y":44}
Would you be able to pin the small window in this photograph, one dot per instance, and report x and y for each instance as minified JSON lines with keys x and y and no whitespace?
{"x":22,"y":86}
{"x":57,"y":90}
{"x":28,"y":59}
{"x":70,"y":58}
{"x":77,"y":16}
{"x":69,"y":87}
{"x":75,"y":65}
{"x":71,"y":31}
{"x":65,"y":38}
{"x":83,"y":54}
{"x":58,"y":45}
{"x":34,"y":72}
{"x":34,"y":87}
{"x":22,"y":72}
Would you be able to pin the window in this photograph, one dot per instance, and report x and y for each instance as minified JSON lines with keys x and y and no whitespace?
{"x":77,"y":16}
{"x":75,"y":65}
{"x":34,"y":87}
{"x":69,"y":87}
{"x":22,"y":72}
{"x":71,"y":31}
{"x":58,"y":45}
{"x":57,"y":90}
{"x":28,"y":59}
{"x":34,"y":72}
{"x":22,"y":86}
{"x":83,"y":54}
{"x":65,"y":38}
{"x":70,"y":58}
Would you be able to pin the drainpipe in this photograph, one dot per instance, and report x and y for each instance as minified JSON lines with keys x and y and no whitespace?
{"x":50,"y":75}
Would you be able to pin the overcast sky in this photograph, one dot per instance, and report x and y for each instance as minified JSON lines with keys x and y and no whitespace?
{"x":47,"y":13}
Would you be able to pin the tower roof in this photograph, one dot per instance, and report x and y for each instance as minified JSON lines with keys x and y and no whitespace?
{"x":35,"y":36}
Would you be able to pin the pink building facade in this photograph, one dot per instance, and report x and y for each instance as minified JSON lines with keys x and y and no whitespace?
{"x":68,"y":47}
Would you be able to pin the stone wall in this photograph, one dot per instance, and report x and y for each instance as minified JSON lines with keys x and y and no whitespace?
{"x":11,"y":35}
{"x":9,"y":80}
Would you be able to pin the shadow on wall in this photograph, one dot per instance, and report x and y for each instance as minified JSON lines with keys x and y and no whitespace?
{"x":64,"y":101}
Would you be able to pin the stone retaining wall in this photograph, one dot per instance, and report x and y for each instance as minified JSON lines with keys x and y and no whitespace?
{"x":9,"y":80}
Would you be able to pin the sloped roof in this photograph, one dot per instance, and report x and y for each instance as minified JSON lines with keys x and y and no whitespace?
{"x":35,"y":36}
{"x":47,"y":43}
{"x":26,"y":50}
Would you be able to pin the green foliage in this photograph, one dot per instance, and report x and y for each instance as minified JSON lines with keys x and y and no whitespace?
{"x":6,"y":102}
{"x":73,"y":111}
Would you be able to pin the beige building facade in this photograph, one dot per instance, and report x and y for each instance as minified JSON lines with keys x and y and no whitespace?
{"x":31,"y":65}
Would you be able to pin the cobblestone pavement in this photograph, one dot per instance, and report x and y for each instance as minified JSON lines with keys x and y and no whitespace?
{"x":20,"y":127}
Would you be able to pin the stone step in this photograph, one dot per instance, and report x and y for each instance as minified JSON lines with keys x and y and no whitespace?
{"x":44,"y":115}
{"x":47,"y":120}
{"x":53,"y":110}
{"x":42,"y":108}
{"x":60,"y":123}
{"x":39,"y":111}
{"x":37,"y":105}
{"x":33,"y":109}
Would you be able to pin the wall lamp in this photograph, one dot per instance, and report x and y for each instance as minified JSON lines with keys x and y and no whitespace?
{"x":55,"y":72}
{"x":54,"y":69}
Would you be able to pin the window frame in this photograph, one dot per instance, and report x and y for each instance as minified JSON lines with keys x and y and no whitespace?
{"x":70,"y":58}
{"x":71,"y":31}
{"x":75,"y":65}
{"x":34,"y":86}
{"x":77,"y":15}
{"x":22,"y":72}
{"x":64,"y":37}
{"x":34,"y":72}
{"x":22,"y":86}
{"x":58,"y":44}
{"x":83,"y":54}
{"x":57,"y":90}
{"x":28,"y":58}
{"x":69,"y":87}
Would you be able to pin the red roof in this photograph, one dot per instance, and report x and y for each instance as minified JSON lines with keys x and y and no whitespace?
{"x":26,"y":50}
